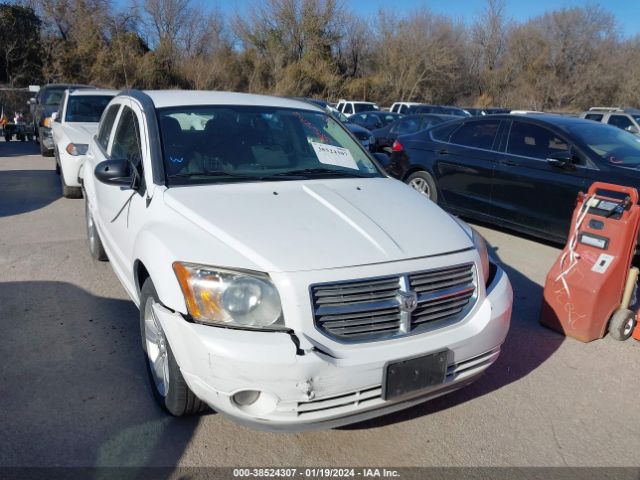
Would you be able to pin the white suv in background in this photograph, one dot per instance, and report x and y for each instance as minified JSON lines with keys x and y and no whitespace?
{"x":349,"y":108}
{"x":625,"y":118}
{"x":72,"y":126}
{"x":282,"y":278}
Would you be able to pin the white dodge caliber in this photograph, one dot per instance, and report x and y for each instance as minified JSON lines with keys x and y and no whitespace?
{"x":75,"y":122}
{"x":282,"y":278}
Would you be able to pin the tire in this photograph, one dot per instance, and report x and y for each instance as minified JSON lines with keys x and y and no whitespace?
{"x":67,"y":191}
{"x":44,"y":151}
{"x":167,"y":384}
{"x":422,"y":182}
{"x":95,"y":244}
{"x":622,"y":324}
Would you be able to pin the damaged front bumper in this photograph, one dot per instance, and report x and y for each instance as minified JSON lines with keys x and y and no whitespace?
{"x":305,"y":389}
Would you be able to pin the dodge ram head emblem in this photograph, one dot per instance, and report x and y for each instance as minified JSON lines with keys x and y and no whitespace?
{"x":408,"y":301}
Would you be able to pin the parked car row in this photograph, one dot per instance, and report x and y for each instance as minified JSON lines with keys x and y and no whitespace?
{"x":269,"y":255}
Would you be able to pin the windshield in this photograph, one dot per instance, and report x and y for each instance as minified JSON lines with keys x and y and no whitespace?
{"x":365,"y":107}
{"x":53,"y":96}
{"x":612,"y":145}
{"x":85,"y":108}
{"x":206,"y":144}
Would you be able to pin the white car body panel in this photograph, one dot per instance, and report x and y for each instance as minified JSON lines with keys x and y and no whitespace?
{"x":300,"y":233}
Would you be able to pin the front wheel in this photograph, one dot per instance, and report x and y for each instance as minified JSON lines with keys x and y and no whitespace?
{"x":622,"y":324}
{"x":67,"y":191}
{"x":423,"y":183}
{"x":167,"y":383}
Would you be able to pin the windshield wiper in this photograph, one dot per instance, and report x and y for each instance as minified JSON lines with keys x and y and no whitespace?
{"x":322,"y":171}
{"x":221,"y":173}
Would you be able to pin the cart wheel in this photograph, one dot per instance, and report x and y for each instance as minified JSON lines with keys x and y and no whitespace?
{"x":622,"y":324}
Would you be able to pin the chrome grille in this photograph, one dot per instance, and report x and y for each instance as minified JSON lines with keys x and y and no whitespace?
{"x":370,"y":309}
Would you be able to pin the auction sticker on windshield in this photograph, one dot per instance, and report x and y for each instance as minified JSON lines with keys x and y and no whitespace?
{"x":338,"y":156}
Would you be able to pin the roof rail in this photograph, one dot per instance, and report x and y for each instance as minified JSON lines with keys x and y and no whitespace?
{"x":606,"y":109}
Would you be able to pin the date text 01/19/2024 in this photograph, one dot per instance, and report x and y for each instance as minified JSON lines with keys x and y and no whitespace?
{"x":315,"y":472}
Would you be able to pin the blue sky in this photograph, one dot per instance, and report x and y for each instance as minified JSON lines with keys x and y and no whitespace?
{"x":627,"y":12}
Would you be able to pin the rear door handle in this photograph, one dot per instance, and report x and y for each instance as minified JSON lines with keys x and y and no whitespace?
{"x":443,"y":151}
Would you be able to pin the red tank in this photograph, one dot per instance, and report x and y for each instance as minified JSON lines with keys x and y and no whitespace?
{"x":585,"y":285}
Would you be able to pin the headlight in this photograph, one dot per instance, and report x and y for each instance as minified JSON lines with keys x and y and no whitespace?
{"x":480,"y":244}
{"x":224,"y":297}
{"x":77,"y":149}
{"x":46,"y":122}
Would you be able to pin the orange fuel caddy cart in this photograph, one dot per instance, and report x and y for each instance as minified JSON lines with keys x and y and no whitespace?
{"x":590,"y":285}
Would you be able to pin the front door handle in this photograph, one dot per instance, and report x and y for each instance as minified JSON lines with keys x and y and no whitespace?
{"x":443,"y":151}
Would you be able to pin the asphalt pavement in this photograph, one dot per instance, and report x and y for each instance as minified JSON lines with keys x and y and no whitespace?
{"x":73,"y":388}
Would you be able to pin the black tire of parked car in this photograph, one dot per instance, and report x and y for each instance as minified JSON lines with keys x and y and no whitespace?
{"x":44,"y":151}
{"x":179,"y":400}
{"x":422,"y":182}
{"x":93,"y":238}
{"x":67,"y":191}
{"x":622,"y":324}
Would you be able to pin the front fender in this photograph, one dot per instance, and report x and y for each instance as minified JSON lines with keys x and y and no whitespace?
{"x":158,"y":260}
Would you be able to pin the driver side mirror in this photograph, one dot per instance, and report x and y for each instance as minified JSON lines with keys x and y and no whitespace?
{"x":632,"y":129}
{"x":117,"y":172}
{"x":563,"y":159}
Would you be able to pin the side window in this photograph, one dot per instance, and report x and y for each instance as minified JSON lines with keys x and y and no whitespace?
{"x":106,"y":126}
{"x":594,"y":116}
{"x":402,"y":109}
{"x":394,"y":108}
{"x":534,"y":141}
{"x":126,"y":143}
{"x":620,"y":121}
{"x":476,"y":134}
{"x":348,"y":108}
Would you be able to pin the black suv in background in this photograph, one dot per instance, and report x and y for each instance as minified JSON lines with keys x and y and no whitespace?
{"x":42,"y":106}
{"x":517,"y":171}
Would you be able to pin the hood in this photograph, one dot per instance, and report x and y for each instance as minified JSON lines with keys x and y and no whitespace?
{"x":320,"y":224}
{"x":81,"y":132}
